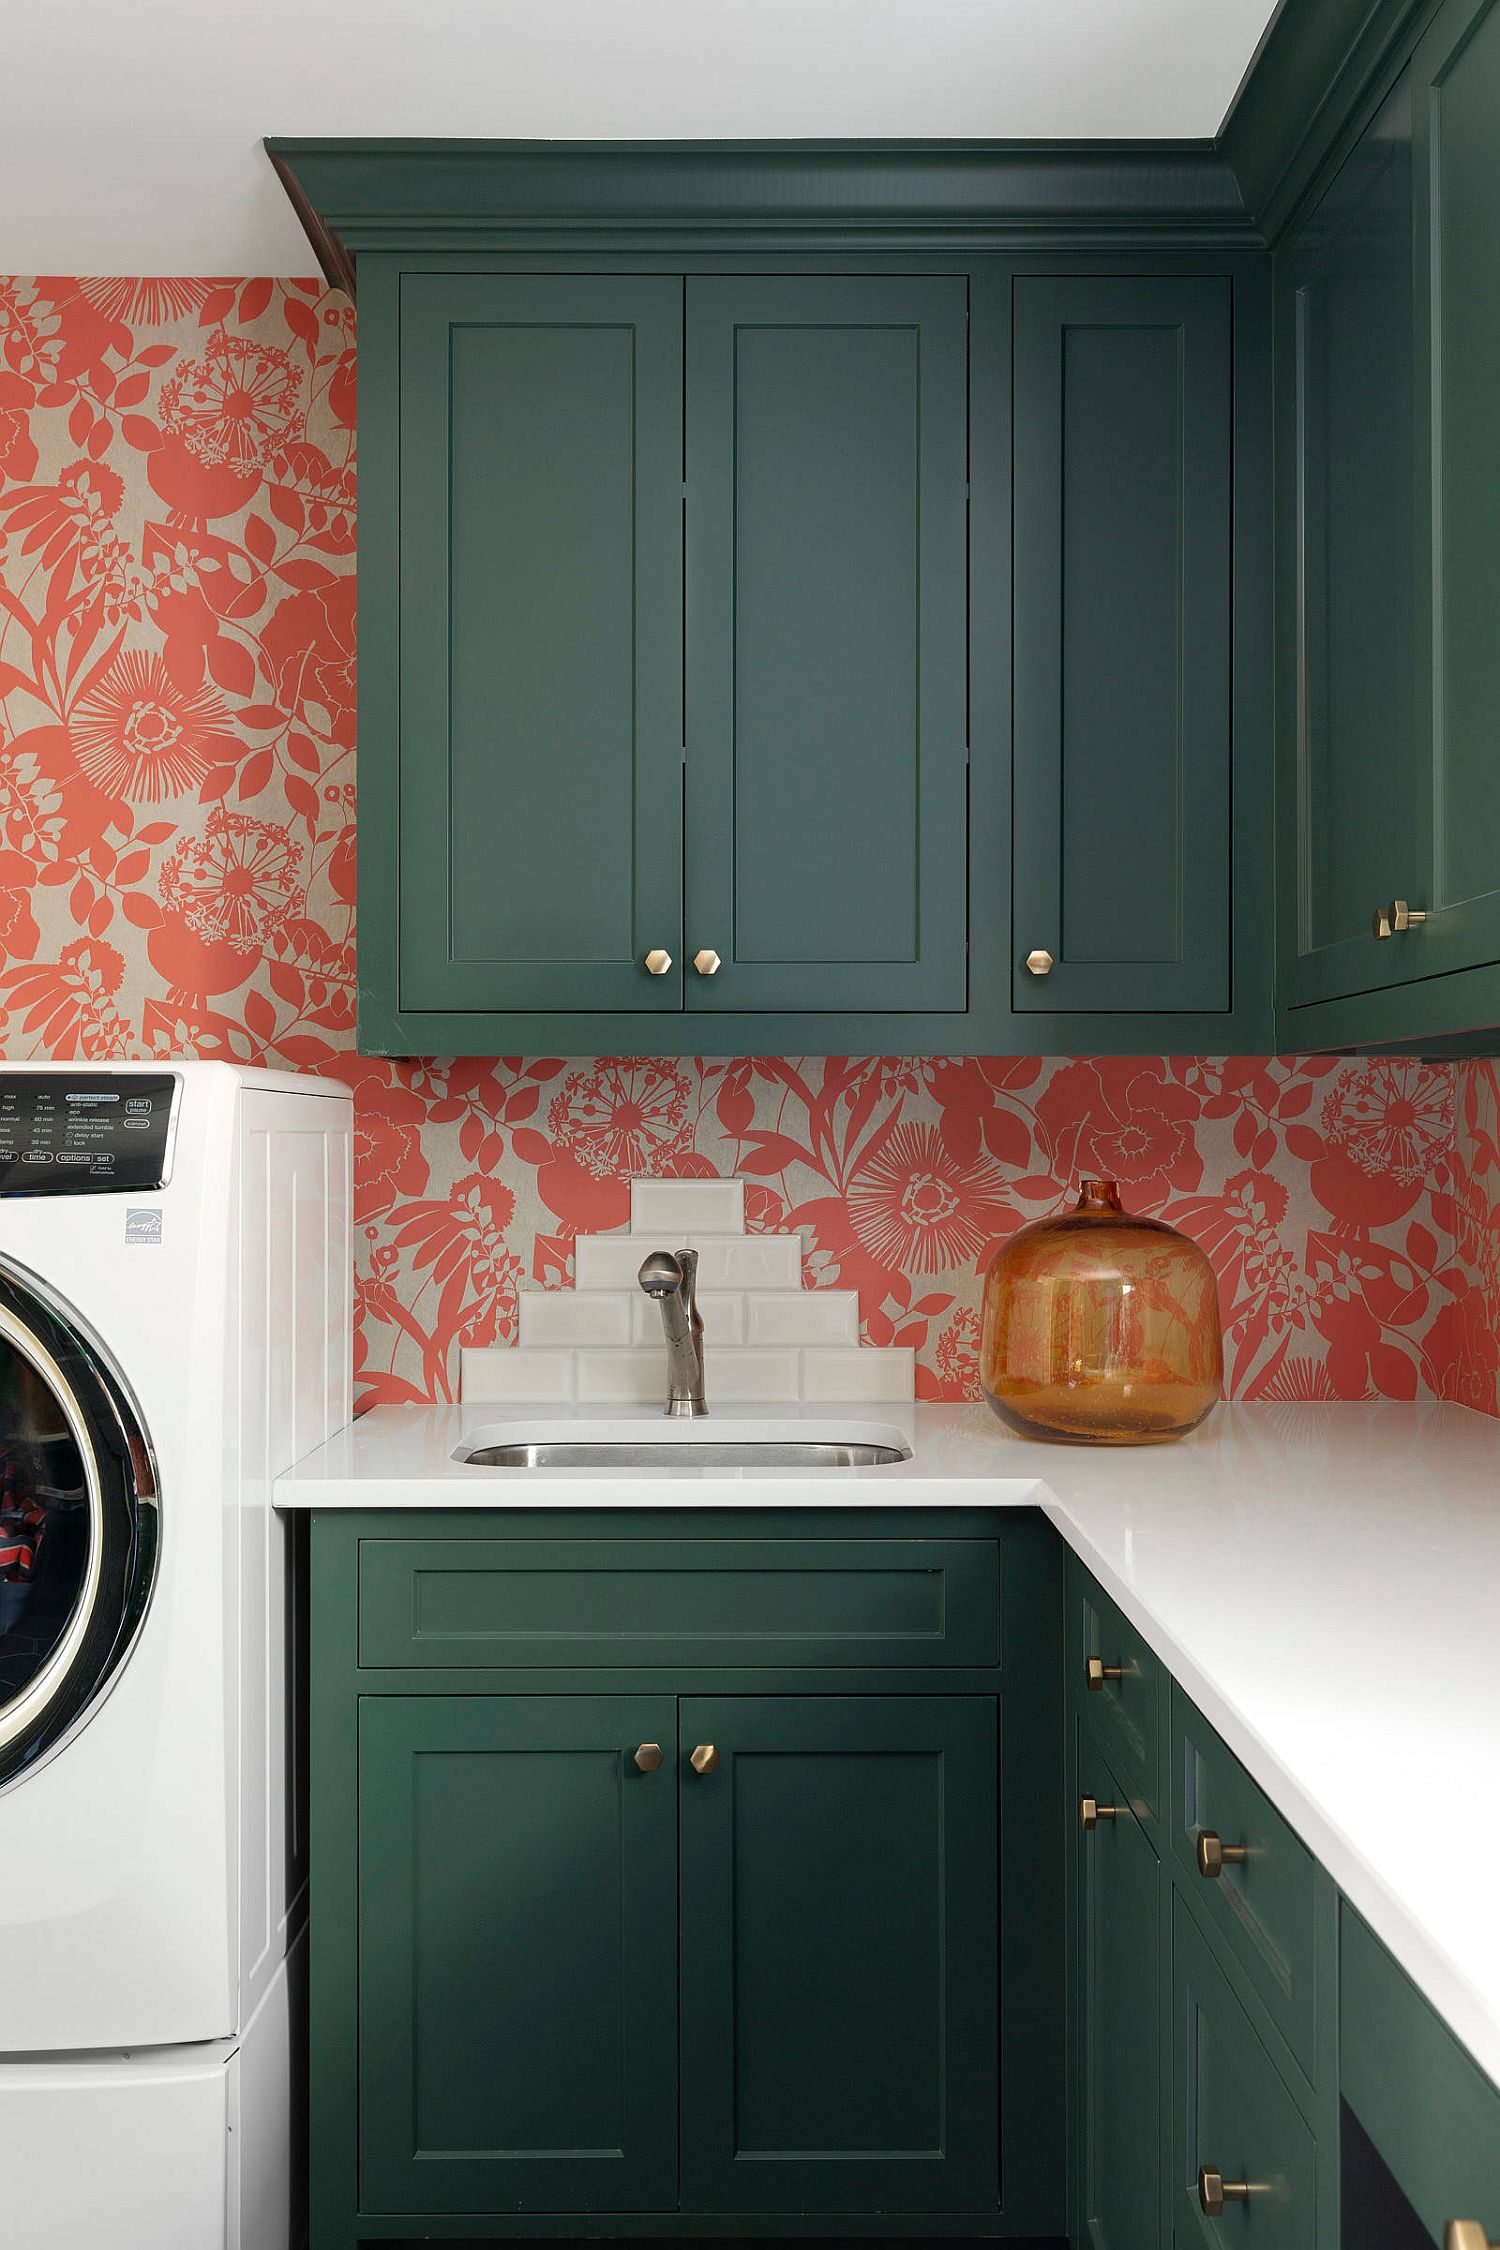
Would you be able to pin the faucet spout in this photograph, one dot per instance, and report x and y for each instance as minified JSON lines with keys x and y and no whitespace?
{"x":671,"y":1277}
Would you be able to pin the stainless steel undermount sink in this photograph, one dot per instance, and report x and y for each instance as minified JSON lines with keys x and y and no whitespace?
{"x":692,"y":1445}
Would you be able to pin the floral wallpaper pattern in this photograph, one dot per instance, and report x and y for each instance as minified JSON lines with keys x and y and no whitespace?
{"x":177,"y":802}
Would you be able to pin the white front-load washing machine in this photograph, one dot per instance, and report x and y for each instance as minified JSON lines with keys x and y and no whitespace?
{"x":174,"y":1331}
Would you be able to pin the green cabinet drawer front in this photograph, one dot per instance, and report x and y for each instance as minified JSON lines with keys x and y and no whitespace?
{"x":827,"y":436}
{"x":1355,"y":816}
{"x":1121,"y":1698}
{"x":1428,"y":2108}
{"x":459,"y":1603}
{"x":540,"y":641}
{"x":1118,"y":1956}
{"x":1263,"y":1905}
{"x":839,"y":1912}
{"x":1122,"y":642}
{"x":1232,"y":2115}
{"x":517,"y":1954}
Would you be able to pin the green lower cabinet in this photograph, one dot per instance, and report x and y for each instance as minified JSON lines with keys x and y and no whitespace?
{"x":1118,"y":1898}
{"x":1244,"y":2160}
{"x":1423,"y":2150}
{"x":523,"y":2021}
{"x":839,"y":1931}
{"x":518,"y":1954}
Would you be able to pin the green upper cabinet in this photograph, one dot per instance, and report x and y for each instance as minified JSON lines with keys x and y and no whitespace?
{"x":540,"y":709}
{"x":1122,"y":602}
{"x":1388,"y":351}
{"x":763,"y":653}
{"x":1458,"y":154}
{"x":827,"y":499}
{"x":675,"y":570}
{"x":1354,"y":839}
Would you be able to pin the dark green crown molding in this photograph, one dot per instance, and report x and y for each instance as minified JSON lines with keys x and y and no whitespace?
{"x":1320,"y":65}
{"x":357,"y":195}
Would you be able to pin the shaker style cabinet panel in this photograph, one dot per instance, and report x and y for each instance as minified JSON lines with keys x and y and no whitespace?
{"x":518,"y":1954}
{"x":1244,"y":2158}
{"x":1424,"y":2150}
{"x":1457,"y":72}
{"x":839,"y":1948}
{"x":1348,"y":344}
{"x":1388,"y":346}
{"x":540,"y":796}
{"x":1122,"y":659}
{"x":1117,"y":1936}
{"x":827,"y":463}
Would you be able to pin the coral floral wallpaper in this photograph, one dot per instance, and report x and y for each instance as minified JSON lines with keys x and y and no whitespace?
{"x":177,"y":802}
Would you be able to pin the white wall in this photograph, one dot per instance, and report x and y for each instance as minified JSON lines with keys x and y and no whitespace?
{"x":132,"y":127}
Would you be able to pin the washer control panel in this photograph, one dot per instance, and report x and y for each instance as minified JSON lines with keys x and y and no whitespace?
{"x":98,"y":1132}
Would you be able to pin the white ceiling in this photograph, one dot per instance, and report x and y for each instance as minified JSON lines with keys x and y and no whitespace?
{"x":132,"y":127}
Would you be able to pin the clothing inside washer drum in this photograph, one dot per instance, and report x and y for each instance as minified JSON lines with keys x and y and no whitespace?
{"x":79,"y":1523}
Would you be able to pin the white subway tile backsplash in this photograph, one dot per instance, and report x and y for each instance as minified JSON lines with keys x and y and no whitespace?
{"x":767,"y":1340}
{"x":674,"y":1210}
{"x":632,"y":1377}
{"x":748,"y":1261}
{"x":850,"y":1376}
{"x":802,"y":1316}
{"x":608,"y":1261}
{"x":575,"y":1316}
{"x":751,"y":1378}
{"x":503,"y":1377}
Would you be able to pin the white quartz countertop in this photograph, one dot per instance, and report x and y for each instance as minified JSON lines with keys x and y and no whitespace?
{"x":1324,"y":1581}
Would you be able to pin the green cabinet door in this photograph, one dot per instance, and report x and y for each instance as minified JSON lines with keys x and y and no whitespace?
{"x":1354,"y":813}
{"x":1457,"y":139}
{"x":1418,"y":2097}
{"x":827,"y":449}
{"x":839,"y":1907}
{"x":1235,"y":2125}
{"x":1122,"y":587}
{"x":540,"y":568}
{"x":1117,"y":1981}
{"x":517,"y":1954}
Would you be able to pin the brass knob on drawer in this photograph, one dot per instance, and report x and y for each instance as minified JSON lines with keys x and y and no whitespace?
{"x":1214,"y":2191}
{"x":1099,"y":1672}
{"x":706,"y":961}
{"x":1039,"y":961}
{"x":1214,"y":1855}
{"x":1091,"y":1812}
{"x":705,"y":1759}
{"x":649,"y":1756}
{"x":658,"y":961}
{"x":1466,"y":2234}
{"x":1397,"y":918}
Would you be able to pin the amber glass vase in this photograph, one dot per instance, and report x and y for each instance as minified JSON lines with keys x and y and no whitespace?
{"x":1100,"y":1328}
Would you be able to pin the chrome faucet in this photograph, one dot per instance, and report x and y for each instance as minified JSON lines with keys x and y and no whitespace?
{"x":672,"y":1279}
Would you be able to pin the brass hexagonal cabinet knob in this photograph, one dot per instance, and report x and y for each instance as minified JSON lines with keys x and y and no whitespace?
{"x":706,"y":961}
{"x":705,"y":1759}
{"x":1039,"y":961}
{"x":649,"y":1756}
{"x":658,"y":960}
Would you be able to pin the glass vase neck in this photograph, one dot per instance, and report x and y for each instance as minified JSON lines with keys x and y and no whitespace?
{"x":1100,"y":1198}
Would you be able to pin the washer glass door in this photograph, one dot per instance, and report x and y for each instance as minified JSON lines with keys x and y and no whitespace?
{"x":78,"y":1523}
